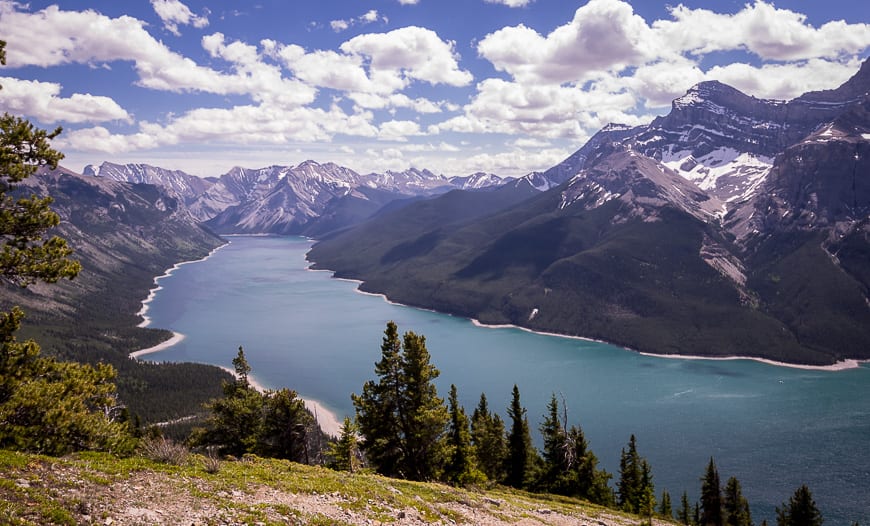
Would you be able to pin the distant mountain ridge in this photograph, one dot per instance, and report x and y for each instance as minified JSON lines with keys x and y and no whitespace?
{"x":731,"y":226}
{"x":309,"y":198}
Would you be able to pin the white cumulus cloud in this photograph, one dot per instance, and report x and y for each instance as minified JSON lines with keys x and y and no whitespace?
{"x":42,"y":101}
{"x":174,"y":13}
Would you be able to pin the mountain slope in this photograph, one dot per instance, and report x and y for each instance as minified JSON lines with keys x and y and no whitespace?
{"x":731,"y":226}
{"x":123,"y":234}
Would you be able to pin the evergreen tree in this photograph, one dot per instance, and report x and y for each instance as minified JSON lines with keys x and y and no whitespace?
{"x":460,"y":469}
{"x":286,"y":428}
{"x":46,"y":405}
{"x":53,"y":407}
{"x":735,"y":507}
{"x":630,"y":487}
{"x":488,"y":439}
{"x":665,"y":506}
{"x":345,"y":451}
{"x":685,"y":513}
{"x":401,"y":418}
{"x":236,"y":417}
{"x":801,"y":510}
{"x":521,"y":454}
{"x":378,"y":408}
{"x":646,"y":498}
{"x":711,"y":497}
{"x":554,"y":476}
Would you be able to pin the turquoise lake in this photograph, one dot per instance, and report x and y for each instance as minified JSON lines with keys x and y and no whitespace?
{"x":774,"y":428}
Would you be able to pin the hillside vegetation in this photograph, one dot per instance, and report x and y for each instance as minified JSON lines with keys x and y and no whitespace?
{"x":96,"y":488}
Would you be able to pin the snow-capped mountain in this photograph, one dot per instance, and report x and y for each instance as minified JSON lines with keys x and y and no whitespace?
{"x":288,"y":199}
{"x":187,"y":187}
{"x":730,"y":226}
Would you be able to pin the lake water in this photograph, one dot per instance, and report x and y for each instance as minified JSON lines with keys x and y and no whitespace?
{"x":774,"y":428}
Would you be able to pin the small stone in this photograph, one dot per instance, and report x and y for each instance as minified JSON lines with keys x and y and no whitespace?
{"x":401,"y":515}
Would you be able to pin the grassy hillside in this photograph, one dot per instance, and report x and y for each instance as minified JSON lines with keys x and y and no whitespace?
{"x":92,"y":488}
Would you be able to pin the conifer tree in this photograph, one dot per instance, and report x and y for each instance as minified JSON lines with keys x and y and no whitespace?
{"x":646,"y":499}
{"x":521,"y":454}
{"x":684,"y":515}
{"x":236,"y":417}
{"x":554,"y":476}
{"x":488,"y":439}
{"x":711,"y":497}
{"x":401,"y":418}
{"x":735,"y":507}
{"x":629,"y":487}
{"x":345,"y":451}
{"x":286,"y":428}
{"x":379,"y":412}
{"x":665,"y":506}
{"x":800,"y":510}
{"x":46,"y":405}
{"x":461,"y":468}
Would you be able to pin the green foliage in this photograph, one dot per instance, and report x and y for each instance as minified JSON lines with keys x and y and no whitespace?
{"x":26,"y":256}
{"x":684,"y":515}
{"x":55,"y":407}
{"x":401,"y":418}
{"x":735,"y":507}
{"x":273,"y":424}
{"x":665,"y":507}
{"x":711,"y":497}
{"x":635,"y":488}
{"x":800,"y":510}
{"x":488,"y":439}
{"x":569,"y":467}
{"x":345,"y":451}
{"x":286,"y":428}
{"x":522,"y":457}
{"x":460,"y":469}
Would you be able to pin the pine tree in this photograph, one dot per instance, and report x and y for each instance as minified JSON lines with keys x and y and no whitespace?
{"x":801,"y":510}
{"x":711,"y":497}
{"x":630,"y":486}
{"x":345,"y":451}
{"x":46,"y":405}
{"x":488,"y":439}
{"x":735,"y":507}
{"x":426,"y":414}
{"x":236,"y":417}
{"x":381,"y":422}
{"x":555,"y":453}
{"x":286,"y":428}
{"x":684,"y":515}
{"x":665,"y":506}
{"x":461,"y":468}
{"x":401,"y":418}
{"x":521,"y":454}
{"x":646,"y":496}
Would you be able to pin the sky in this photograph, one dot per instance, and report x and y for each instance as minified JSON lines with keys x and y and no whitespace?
{"x":453,"y":86}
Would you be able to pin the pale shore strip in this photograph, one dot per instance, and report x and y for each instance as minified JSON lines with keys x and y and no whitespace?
{"x":176,"y":338}
{"x":842,"y":365}
{"x":143,"y":312}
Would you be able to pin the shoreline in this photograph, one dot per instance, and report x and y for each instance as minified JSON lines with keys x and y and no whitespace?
{"x":143,"y":311}
{"x":326,"y":419}
{"x":843,"y":365}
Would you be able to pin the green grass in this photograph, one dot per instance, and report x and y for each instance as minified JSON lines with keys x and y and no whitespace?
{"x":66,"y":490}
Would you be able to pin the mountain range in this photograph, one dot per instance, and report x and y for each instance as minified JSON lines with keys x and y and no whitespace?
{"x":730,"y":226}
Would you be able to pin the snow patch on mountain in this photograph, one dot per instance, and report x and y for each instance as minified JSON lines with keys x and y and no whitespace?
{"x":724,"y":173}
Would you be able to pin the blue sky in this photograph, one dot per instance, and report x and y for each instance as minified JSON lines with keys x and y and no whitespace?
{"x":455,"y":86}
